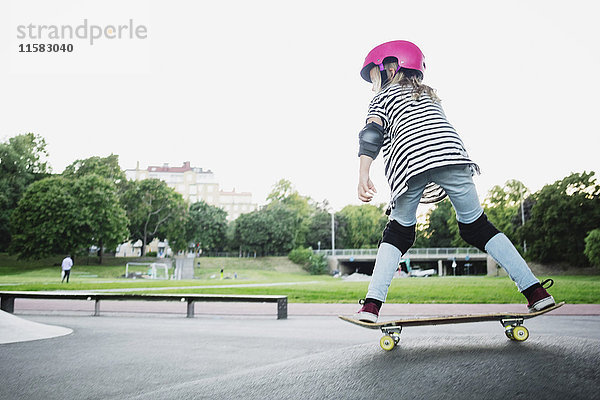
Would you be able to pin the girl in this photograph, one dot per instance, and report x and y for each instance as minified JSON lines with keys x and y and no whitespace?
{"x":425,"y":161}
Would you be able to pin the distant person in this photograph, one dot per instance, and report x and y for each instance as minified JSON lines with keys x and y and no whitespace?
{"x":425,"y":161}
{"x":222,"y":271}
{"x":67,"y":264}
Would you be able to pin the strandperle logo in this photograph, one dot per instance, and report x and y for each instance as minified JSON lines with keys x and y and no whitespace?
{"x":87,"y":31}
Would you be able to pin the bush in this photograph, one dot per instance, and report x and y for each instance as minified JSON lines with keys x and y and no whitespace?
{"x":592,"y":247}
{"x":316,"y":264}
{"x":151,"y":254}
{"x":301,"y":256}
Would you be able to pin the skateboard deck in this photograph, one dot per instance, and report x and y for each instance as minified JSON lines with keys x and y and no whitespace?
{"x":512,"y":322}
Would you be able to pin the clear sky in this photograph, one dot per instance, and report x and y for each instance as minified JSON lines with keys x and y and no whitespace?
{"x":257,"y":91}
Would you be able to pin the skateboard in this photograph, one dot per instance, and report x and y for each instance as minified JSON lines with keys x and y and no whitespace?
{"x":512,"y":323}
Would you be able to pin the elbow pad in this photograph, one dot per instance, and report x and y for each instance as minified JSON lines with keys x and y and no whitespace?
{"x":370,"y":140}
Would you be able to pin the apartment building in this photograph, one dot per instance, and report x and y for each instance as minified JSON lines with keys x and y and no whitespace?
{"x":235,"y":203}
{"x":196,"y":184}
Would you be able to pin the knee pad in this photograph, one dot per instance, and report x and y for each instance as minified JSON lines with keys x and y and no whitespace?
{"x":479,"y":232}
{"x":401,"y":237}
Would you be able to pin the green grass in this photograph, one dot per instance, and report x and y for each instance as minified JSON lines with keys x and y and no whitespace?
{"x":44,"y":275}
{"x":573,"y":289}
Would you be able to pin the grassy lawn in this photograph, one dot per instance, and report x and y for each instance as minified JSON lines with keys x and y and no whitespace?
{"x":44,"y":275}
{"x":571,"y":289}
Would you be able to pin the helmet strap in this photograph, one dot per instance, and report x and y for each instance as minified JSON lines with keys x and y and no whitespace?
{"x":384,"y":77}
{"x":397,"y":69}
{"x":384,"y":74}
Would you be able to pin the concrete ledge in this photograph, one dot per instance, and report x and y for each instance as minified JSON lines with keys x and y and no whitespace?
{"x":389,"y":310}
{"x":7,"y":299}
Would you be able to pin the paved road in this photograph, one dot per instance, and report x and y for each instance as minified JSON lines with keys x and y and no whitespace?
{"x":304,"y":357}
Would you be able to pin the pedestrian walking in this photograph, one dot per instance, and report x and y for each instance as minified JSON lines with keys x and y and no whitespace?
{"x":66,"y":265}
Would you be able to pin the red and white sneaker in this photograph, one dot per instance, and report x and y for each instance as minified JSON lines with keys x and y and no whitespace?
{"x":368,"y":313}
{"x":539,"y":298}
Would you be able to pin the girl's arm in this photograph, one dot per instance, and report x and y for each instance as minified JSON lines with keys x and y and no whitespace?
{"x":366,"y":189}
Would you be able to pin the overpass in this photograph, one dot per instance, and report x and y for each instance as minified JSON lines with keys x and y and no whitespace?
{"x":344,"y":260}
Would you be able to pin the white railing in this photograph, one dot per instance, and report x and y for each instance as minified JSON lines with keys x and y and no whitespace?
{"x":441,"y":251}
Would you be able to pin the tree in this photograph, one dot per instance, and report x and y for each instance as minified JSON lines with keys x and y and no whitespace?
{"x":103,"y":221}
{"x":22,"y":162}
{"x":108,"y":177}
{"x":154,"y":210}
{"x":46,"y":221}
{"x":319,"y":229}
{"x":206,"y":225}
{"x":174,"y":229}
{"x":284,"y":194}
{"x":106,"y":167}
{"x":592,"y":247}
{"x":360,"y":226}
{"x":58,"y":215}
{"x":281,"y":190}
{"x":267,"y":231}
{"x":562,"y":215}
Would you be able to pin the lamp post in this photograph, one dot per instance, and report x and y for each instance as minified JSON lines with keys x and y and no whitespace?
{"x":523,"y":216}
{"x":333,"y":233}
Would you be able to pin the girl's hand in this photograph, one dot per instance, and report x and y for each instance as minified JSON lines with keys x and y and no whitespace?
{"x":366,"y":189}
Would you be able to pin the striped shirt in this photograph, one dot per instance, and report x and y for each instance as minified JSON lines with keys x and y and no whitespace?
{"x":417,"y":138}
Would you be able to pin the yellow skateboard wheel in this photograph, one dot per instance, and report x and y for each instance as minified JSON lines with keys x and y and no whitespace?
{"x":520,"y":333}
{"x":387,"y":343}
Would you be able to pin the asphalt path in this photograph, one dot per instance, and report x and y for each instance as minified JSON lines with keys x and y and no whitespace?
{"x":303,"y":357}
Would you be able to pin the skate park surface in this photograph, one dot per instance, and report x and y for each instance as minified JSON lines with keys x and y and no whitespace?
{"x":222,"y":354}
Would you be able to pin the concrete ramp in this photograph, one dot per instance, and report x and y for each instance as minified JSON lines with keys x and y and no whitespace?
{"x":15,"y":329}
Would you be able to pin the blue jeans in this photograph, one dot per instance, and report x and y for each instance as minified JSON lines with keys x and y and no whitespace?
{"x":457,"y":182}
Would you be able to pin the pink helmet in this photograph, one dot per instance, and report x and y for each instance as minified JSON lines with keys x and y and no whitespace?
{"x":407,"y":54}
